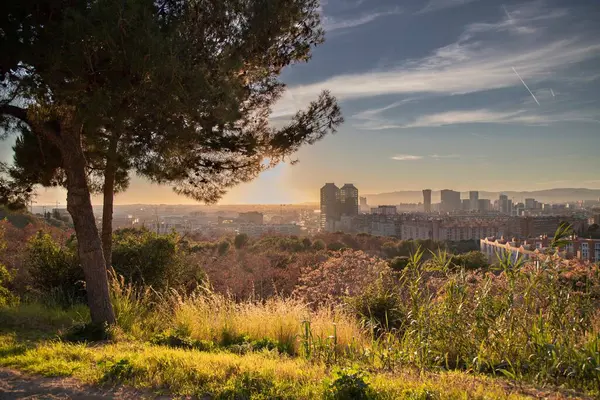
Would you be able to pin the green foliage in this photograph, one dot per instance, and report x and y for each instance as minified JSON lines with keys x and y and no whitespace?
{"x":223,"y":247}
{"x":6,"y":297}
{"x":88,"y":332}
{"x":561,"y":236}
{"x":54,"y":269}
{"x":18,"y":218}
{"x":472,"y":260}
{"x":118,"y":371}
{"x":146,"y":258}
{"x":348,"y":384}
{"x":182,"y":340}
{"x":307,"y":243}
{"x":336,"y":246}
{"x":398,"y":263}
{"x":379,"y":307}
{"x":240,"y":240}
{"x":318,"y":245}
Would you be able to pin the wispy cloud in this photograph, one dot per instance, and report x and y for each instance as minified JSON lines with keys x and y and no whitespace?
{"x":411,"y":157}
{"x":331,"y":24}
{"x":406,"y":157}
{"x":471,"y":64}
{"x":482,"y":116}
{"x":436,"y":5}
{"x":442,"y":156}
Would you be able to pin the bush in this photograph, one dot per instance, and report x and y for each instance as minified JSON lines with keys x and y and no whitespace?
{"x":145,"y":258}
{"x":399,"y":263}
{"x":472,"y":260}
{"x":379,"y":307}
{"x":336,"y":246}
{"x":307,"y":243}
{"x":88,"y":332}
{"x":240,"y":240}
{"x":348,"y":384}
{"x":318,"y":245}
{"x":343,"y":274}
{"x":6,"y":297}
{"x":224,"y":247}
{"x":54,"y":269}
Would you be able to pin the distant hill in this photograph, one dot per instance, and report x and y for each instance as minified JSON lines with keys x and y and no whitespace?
{"x":546,"y":196}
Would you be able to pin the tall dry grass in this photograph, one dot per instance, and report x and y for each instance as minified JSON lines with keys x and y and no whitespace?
{"x":218,"y":318}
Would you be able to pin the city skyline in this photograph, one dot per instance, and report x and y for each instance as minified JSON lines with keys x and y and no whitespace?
{"x":436,"y":99}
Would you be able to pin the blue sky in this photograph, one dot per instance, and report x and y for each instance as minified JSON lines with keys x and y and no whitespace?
{"x":434,"y":95}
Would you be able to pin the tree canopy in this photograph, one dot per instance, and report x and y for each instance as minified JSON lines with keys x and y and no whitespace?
{"x":178,"y":90}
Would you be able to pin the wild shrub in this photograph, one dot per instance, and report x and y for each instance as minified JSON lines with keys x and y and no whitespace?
{"x":54,"y":269}
{"x":240,"y":240}
{"x":223,"y":247}
{"x":88,"y":332}
{"x":379,"y":307}
{"x":347,"y":384}
{"x":6,"y":297}
{"x":346,"y":273}
{"x":145,"y":258}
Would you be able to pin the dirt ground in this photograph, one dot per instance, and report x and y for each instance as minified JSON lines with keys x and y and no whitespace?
{"x":16,"y":385}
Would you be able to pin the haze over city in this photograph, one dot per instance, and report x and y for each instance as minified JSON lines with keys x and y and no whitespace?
{"x":446,"y":94}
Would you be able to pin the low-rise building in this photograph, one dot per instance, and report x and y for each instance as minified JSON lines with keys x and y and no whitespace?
{"x":384,"y":210}
{"x":576,"y":247}
{"x":264,"y":229}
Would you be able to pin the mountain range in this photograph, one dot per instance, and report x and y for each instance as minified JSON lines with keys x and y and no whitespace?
{"x":546,"y":196}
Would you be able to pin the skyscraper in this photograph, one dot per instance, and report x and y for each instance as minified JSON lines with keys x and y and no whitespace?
{"x":503,"y":204}
{"x":427,"y":200}
{"x":349,"y":199}
{"x":474,"y":200}
{"x":330,"y":203}
{"x":450,"y":201}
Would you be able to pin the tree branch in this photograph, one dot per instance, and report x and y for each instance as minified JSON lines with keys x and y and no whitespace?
{"x":14,"y":111}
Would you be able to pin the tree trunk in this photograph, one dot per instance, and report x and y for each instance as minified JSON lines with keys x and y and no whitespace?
{"x":79,"y":206}
{"x":109,"y":195}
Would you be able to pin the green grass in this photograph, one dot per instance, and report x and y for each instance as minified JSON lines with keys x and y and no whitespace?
{"x":223,"y":375}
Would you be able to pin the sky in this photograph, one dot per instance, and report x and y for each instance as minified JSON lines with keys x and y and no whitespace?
{"x":460,"y":94}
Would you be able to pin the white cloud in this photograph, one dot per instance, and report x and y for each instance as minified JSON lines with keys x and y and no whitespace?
{"x":441,"y":156}
{"x":436,"y":5}
{"x":406,"y":157}
{"x":523,"y":117}
{"x":332,"y":24}
{"x":524,"y":19}
{"x":468,"y":65}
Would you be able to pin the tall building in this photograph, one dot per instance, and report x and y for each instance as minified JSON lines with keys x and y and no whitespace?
{"x":530,"y":204}
{"x":427,"y":200}
{"x":450,"y":201}
{"x":474,"y":200}
{"x":349,"y":200}
{"x":363,"y":201}
{"x":484,"y":205}
{"x":503,"y":204}
{"x":330,"y":204}
{"x":466,"y":204}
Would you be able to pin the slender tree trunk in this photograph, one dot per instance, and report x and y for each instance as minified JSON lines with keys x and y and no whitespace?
{"x":79,"y":206}
{"x":109,"y":195}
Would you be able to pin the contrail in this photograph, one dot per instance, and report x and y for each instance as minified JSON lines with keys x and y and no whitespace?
{"x":506,"y":12}
{"x":552,"y":91}
{"x":526,"y":87}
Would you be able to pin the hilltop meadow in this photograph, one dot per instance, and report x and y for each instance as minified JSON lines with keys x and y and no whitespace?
{"x":336,"y":316}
